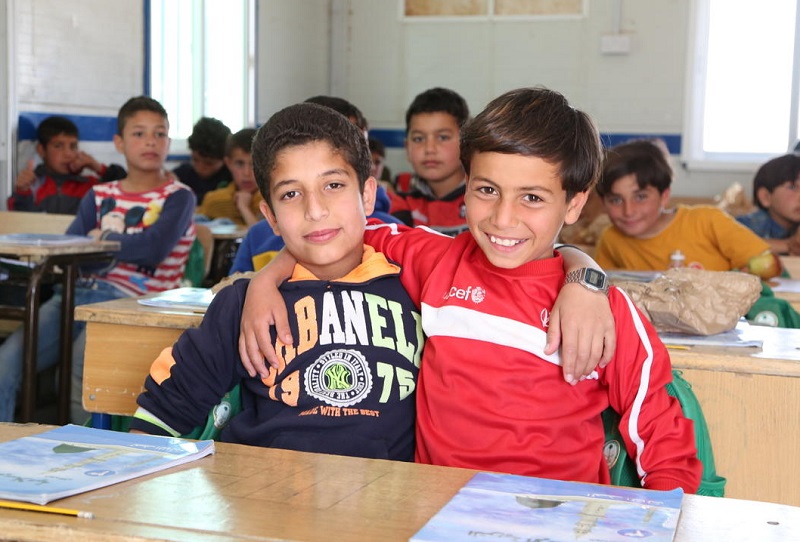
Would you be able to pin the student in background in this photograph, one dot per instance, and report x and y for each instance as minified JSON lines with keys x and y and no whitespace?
{"x":148,"y":212}
{"x":776,"y":192}
{"x":239,"y":201}
{"x":338,"y":394}
{"x":490,"y":395}
{"x":56,"y":185}
{"x":379,"y":170}
{"x":206,"y":171}
{"x":434,"y":195}
{"x":645,"y":232}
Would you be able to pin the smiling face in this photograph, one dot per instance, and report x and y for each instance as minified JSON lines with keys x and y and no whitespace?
{"x":318,"y":208}
{"x":59,"y":153}
{"x":433,"y":149}
{"x":637,"y":212}
{"x":144,"y":141}
{"x":516,"y":207}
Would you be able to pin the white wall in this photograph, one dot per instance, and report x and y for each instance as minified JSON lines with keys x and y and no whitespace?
{"x":380,"y":62}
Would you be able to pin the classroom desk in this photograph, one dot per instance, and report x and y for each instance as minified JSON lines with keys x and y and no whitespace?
{"x":260,"y":494}
{"x":788,"y":289}
{"x":751,"y":401}
{"x":45,"y":258}
{"x":750,"y":397}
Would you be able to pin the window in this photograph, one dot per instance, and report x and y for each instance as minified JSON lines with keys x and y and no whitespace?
{"x":201,"y":61}
{"x":743,"y":88}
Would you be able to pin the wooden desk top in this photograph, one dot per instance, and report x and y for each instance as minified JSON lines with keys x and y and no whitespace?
{"x":128,"y":311}
{"x":56,"y":250}
{"x":249,"y":493}
{"x":779,"y":354}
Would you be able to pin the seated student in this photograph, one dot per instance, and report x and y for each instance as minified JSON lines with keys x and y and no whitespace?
{"x":379,"y":170}
{"x":776,"y":192}
{"x":490,"y":396}
{"x":56,"y":185}
{"x":148,"y":212}
{"x":348,"y":389}
{"x":261,"y":244}
{"x":206,"y":170}
{"x":645,"y":233}
{"x":434,"y":195}
{"x":239,"y":201}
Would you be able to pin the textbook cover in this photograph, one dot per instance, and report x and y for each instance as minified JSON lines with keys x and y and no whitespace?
{"x":73,"y":459}
{"x":195,"y":299}
{"x":509,"y":507}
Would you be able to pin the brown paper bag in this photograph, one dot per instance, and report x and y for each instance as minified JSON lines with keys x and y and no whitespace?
{"x":693,"y":301}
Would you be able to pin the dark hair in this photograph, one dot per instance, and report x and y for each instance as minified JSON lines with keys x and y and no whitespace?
{"x":242,"y":140}
{"x":439,"y":100}
{"x":136,"y":104}
{"x":342,"y":106}
{"x":774,"y":173}
{"x":640,"y":157}
{"x":538,"y":122}
{"x":53,"y":126}
{"x":305,"y":123}
{"x":376,"y":145}
{"x":208,"y":138}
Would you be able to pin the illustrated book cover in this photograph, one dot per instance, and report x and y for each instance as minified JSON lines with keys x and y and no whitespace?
{"x":508,"y":507}
{"x":73,"y":459}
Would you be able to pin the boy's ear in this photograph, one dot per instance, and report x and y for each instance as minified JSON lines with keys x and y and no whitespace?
{"x":40,"y":150}
{"x":118,"y":143}
{"x":268,"y":214}
{"x":369,"y":194}
{"x":764,"y":197}
{"x":575,"y":206}
{"x":228,"y":162}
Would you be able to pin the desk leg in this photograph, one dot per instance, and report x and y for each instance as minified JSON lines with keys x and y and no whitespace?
{"x":67,"y":319}
{"x":30,"y":344}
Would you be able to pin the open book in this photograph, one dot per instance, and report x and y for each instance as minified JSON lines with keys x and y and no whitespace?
{"x":73,"y":459}
{"x":508,"y":507}
{"x":192,"y":299}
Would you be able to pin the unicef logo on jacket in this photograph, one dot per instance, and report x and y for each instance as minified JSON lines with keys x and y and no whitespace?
{"x":340,"y":378}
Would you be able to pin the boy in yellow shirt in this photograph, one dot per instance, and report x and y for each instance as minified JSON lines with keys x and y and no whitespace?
{"x":239,"y":201}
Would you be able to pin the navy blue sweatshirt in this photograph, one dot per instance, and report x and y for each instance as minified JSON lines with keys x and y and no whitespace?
{"x":345,"y":387}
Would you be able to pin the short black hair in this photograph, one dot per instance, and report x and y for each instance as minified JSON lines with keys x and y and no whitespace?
{"x":538,"y":122}
{"x":640,"y":157}
{"x":242,"y":140}
{"x":342,"y":106}
{"x":209,"y":137}
{"x":53,"y":126}
{"x":376,"y":145}
{"x":136,"y":104}
{"x":305,"y":123}
{"x":774,"y":173}
{"x":439,"y":100}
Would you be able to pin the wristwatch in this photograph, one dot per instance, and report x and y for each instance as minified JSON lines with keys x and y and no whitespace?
{"x":593,"y":279}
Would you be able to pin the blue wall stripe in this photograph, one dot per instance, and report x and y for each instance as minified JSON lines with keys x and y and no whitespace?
{"x":91,"y":128}
{"x":94,"y":128}
{"x":393,"y":138}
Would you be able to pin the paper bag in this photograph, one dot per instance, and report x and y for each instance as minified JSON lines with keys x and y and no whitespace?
{"x":696,"y":302}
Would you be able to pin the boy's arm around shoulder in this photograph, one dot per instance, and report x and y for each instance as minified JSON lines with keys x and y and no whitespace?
{"x":657,"y":434}
{"x":187,"y":380}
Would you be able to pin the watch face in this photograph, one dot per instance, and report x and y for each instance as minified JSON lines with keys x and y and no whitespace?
{"x":595,"y":278}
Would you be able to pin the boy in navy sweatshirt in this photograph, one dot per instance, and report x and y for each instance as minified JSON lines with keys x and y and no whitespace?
{"x":347,"y":387}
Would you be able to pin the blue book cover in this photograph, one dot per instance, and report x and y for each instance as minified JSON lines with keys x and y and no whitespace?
{"x":508,"y":507}
{"x":73,"y":459}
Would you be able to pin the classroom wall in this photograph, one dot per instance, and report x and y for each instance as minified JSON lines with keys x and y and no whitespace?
{"x":380,"y":62}
{"x":86,"y":58}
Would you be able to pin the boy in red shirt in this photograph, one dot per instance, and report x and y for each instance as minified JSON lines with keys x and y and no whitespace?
{"x":56,"y":185}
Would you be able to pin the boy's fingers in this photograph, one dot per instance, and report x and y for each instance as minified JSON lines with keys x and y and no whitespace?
{"x":30,"y":165}
{"x":248,"y":366}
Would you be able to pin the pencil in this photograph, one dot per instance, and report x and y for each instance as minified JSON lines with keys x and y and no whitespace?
{"x":46,"y":509}
{"x":676,"y":347}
